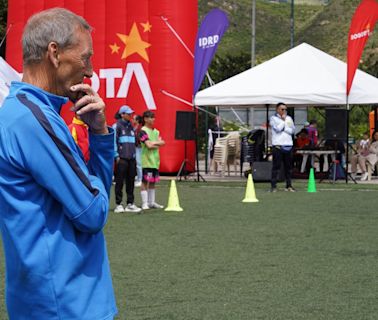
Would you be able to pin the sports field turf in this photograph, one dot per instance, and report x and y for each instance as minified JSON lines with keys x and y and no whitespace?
{"x":290,"y":256}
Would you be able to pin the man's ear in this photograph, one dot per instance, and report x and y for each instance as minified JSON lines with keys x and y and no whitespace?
{"x":53,"y":53}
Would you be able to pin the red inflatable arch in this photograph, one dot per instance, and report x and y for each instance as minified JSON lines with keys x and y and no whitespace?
{"x":137,"y":56}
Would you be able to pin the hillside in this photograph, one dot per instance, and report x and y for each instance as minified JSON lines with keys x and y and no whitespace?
{"x":323,"y":26}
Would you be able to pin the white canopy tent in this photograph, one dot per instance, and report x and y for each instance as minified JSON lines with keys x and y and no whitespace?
{"x":303,"y":75}
{"x":7,"y":74}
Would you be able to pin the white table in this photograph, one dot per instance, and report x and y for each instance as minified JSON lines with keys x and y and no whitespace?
{"x":318,"y":153}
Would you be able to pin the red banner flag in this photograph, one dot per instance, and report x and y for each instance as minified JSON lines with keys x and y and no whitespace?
{"x":137,"y":57}
{"x":361,"y":27}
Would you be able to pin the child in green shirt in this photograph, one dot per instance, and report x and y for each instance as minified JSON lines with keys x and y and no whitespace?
{"x":151,"y":142}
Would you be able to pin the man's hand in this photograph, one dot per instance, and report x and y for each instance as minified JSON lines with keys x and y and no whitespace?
{"x":91,"y":108}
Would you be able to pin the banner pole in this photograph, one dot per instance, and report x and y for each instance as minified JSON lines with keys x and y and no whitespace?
{"x":347,"y":140}
{"x":2,"y":40}
{"x":177,"y":35}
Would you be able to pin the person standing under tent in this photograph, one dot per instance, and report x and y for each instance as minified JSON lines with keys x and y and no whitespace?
{"x":151,"y":143}
{"x":312,"y":131}
{"x":282,"y":145}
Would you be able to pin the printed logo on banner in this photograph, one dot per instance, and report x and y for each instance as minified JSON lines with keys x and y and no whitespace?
{"x":208,"y":42}
{"x":365,"y":33}
{"x":125,"y":46}
{"x":210,"y":32}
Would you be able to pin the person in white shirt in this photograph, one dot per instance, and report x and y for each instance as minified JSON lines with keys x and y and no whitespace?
{"x":282,"y":141}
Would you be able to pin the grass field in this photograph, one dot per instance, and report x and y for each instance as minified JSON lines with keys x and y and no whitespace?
{"x":290,"y":256}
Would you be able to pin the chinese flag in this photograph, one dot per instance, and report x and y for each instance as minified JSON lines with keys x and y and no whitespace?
{"x":361,"y":27}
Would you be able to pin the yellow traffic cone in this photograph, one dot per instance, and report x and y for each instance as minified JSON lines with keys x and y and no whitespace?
{"x":250,"y":195}
{"x":173,"y":200}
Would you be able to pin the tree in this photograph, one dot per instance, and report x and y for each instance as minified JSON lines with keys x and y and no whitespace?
{"x":3,"y":23}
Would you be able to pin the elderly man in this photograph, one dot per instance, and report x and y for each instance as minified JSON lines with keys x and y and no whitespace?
{"x":53,"y":205}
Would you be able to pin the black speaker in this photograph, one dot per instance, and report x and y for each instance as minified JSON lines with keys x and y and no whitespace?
{"x":262,"y":171}
{"x":185,"y":125}
{"x":336,"y":124}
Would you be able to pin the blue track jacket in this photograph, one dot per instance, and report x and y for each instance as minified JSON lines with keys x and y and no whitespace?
{"x":51,"y":224}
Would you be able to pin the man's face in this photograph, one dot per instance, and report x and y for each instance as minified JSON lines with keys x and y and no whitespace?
{"x":281,"y":110}
{"x":74,"y":65}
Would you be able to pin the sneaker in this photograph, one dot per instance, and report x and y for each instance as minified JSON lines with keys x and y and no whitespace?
{"x":364,"y":176}
{"x":273,"y":190}
{"x":119,"y":209}
{"x":145,"y":206}
{"x":138,"y":183}
{"x":155,"y":205}
{"x":290,"y":189}
{"x":131,"y":207}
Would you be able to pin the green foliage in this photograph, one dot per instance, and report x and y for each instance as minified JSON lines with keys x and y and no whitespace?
{"x":3,"y":23}
{"x":358,"y":119}
{"x":272,"y":25}
{"x":323,"y":26}
{"x":223,"y":67}
{"x":3,"y":16}
{"x":231,"y":126}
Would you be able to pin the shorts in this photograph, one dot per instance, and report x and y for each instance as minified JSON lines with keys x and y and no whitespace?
{"x":150,"y":175}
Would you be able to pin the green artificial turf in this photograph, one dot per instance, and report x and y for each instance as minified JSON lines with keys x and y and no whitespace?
{"x":289,"y":256}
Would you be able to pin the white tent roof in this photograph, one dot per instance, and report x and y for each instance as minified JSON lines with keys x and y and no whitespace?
{"x":303,"y":75}
{"x":7,"y":74}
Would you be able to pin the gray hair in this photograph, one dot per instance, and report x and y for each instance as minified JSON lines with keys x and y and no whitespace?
{"x":52,"y":25}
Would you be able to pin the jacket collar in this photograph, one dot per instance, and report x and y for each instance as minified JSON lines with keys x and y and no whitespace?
{"x":54,"y":101}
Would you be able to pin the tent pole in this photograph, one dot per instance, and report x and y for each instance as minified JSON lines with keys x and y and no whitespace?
{"x":206,"y":139}
{"x":292,"y":24}
{"x":267,"y":128}
{"x":253,"y":59}
{"x":347,"y":141}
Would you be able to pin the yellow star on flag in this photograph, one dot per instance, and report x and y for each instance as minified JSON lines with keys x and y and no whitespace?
{"x":146,"y":26}
{"x":134,"y":44}
{"x":114,"y":48}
